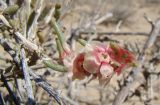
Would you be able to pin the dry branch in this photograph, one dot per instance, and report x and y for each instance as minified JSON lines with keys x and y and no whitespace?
{"x":136,"y":73}
{"x":52,"y":92}
{"x":115,"y":33}
{"x":19,"y":37}
{"x":29,"y":45}
{"x":33,"y":20}
{"x":11,"y":93}
{"x":28,"y":84}
{"x":1,"y":100}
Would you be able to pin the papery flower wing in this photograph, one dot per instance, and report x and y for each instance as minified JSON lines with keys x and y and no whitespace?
{"x":91,"y":64}
{"x":120,"y":54}
{"x":78,"y":70}
{"x":106,"y":70}
{"x":123,"y":57}
{"x":92,"y":58}
{"x":106,"y":73}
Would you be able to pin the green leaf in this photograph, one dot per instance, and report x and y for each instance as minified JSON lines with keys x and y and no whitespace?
{"x":57,"y":11}
{"x":56,"y":67}
{"x":82,"y":42}
{"x":11,"y":10}
{"x":59,"y":47}
{"x":59,"y":33}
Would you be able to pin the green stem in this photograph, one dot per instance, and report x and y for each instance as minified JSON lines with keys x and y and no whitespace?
{"x":58,"y":32}
{"x":82,"y":42}
{"x":57,"y":11}
{"x":56,"y":67}
{"x":59,"y":48}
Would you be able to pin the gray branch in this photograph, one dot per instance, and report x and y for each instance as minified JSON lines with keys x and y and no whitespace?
{"x":28,"y":84}
{"x":136,"y":73}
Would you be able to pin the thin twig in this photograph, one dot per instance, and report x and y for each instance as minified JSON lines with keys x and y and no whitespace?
{"x":25,"y":12}
{"x":52,"y":92}
{"x":48,"y":17}
{"x":101,"y":36}
{"x":18,"y":36}
{"x":11,"y":93}
{"x":149,"y":85}
{"x":28,"y":44}
{"x":8,"y":48}
{"x":28,"y":84}
{"x":115,"y":33}
{"x":1,"y":100}
{"x":17,"y":88}
{"x":100,"y":20}
{"x":119,"y":25}
{"x":32,"y":25}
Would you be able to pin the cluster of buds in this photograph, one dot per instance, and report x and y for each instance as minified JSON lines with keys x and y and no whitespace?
{"x":101,"y":61}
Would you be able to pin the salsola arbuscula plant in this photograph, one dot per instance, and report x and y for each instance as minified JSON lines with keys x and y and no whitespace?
{"x":34,"y":39}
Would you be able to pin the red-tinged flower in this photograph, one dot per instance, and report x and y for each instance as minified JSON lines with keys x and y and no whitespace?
{"x":95,"y":55}
{"x":78,"y":71}
{"x":90,"y":61}
{"x":121,"y":56}
{"x":101,"y":61}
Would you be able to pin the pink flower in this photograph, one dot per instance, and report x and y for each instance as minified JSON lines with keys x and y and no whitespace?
{"x":101,"y":61}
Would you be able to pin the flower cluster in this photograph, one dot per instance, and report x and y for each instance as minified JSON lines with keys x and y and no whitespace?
{"x":102,"y":61}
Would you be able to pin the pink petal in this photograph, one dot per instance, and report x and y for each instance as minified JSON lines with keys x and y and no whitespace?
{"x":91,"y":64}
{"x":106,"y":70}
